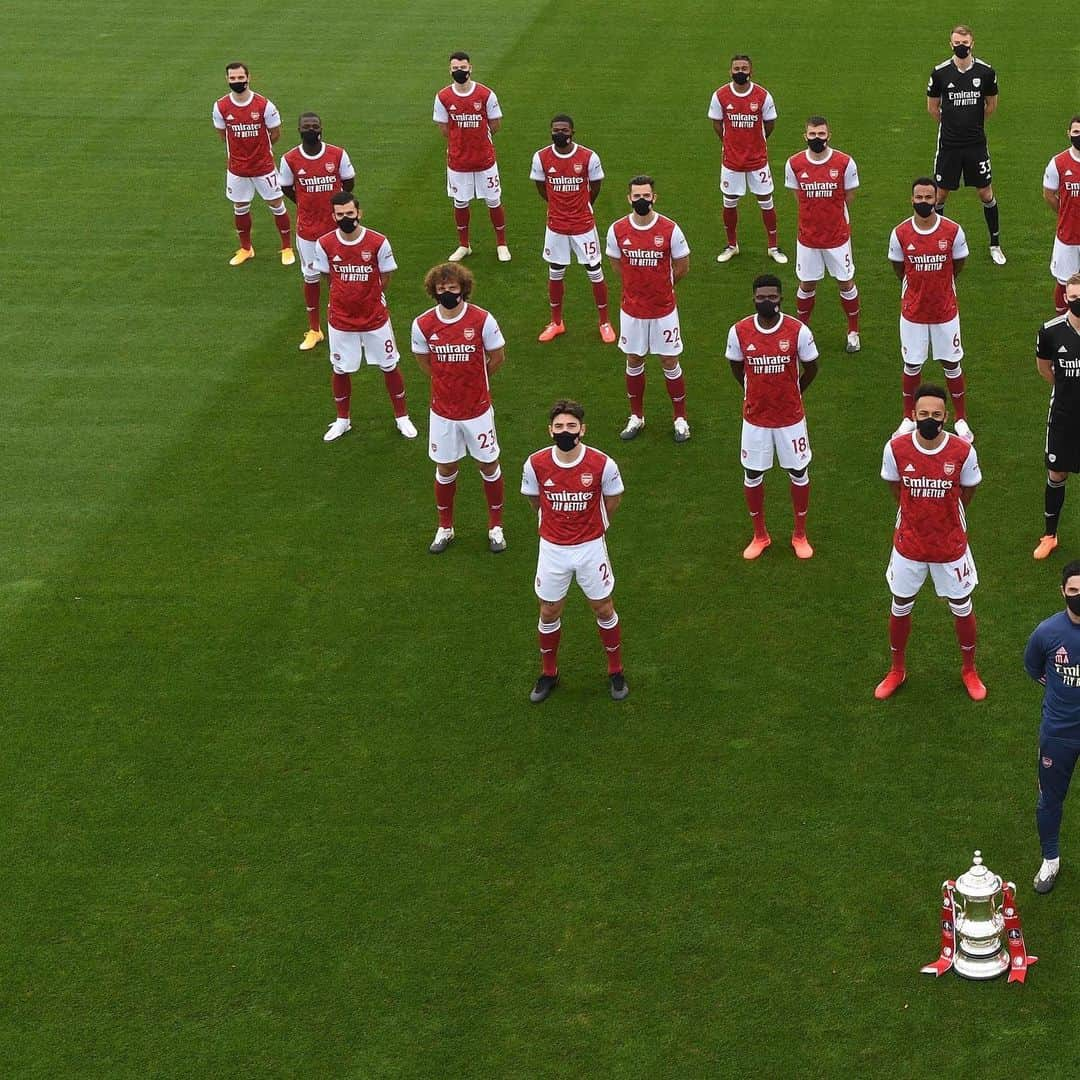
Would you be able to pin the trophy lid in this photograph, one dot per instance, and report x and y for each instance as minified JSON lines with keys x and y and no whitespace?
{"x":979,"y":883}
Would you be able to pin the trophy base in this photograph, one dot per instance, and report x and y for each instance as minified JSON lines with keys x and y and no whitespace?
{"x":981,"y":967}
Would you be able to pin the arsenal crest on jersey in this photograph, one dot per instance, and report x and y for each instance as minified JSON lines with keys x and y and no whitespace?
{"x":658,"y":241}
{"x":255,"y":114}
{"x":586,"y":479}
{"x":975,"y":83}
{"x":330,"y":166}
{"x":476,"y":105}
{"x":949,"y":468}
{"x":943,"y":245}
{"x":833,"y":174}
{"x":753,"y":106}
{"x":578,"y":167}
{"x":366,"y":256}
{"x":468,"y":333}
{"x":784,"y":344}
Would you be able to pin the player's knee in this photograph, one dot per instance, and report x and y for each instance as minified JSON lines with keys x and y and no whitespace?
{"x":389,"y":368}
{"x":730,"y":202}
{"x":671,"y":366}
{"x":952,"y":368}
{"x":493,"y":204}
{"x":635,"y":368}
{"x":1056,"y":479}
{"x":902,"y":606}
{"x":550,"y":612}
{"x":765,"y":202}
{"x":1047,"y":801}
{"x":556,"y":271}
{"x":241,"y":208}
{"x":491,"y":470}
{"x":594,"y":268}
{"x":751,"y":477}
{"x":277,"y":206}
{"x":961,"y":608}
{"x":912,"y":369}
{"x":604,"y":609}
{"x":807,"y":289}
{"x":311,"y":280}
{"x":799,"y":476}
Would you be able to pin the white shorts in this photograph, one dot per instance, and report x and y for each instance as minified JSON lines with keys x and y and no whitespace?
{"x":735,"y":183}
{"x":650,"y":337}
{"x":351,"y":348}
{"x":586,"y":246}
{"x":952,"y":580}
{"x":588,"y":562}
{"x":792,"y":446}
{"x":241,"y":189}
{"x":465,"y":186}
{"x":451,"y":440}
{"x":1065,"y":261}
{"x":943,"y":339}
{"x":811,"y":263}
{"x":306,"y":251}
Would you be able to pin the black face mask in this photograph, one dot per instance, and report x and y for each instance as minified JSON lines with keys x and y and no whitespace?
{"x":767,"y":309}
{"x":923,"y":209}
{"x":741,"y":78}
{"x":817,"y":145}
{"x":459,"y":76}
{"x":1075,"y":140}
{"x":567,"y":440}
{"x":1074,"y":307}
{"x":348,"y":224}
{"x":929,"y":428}
{"x":560,"y":138}
{"x":962,"y":52}
{"x":238,"y":87}
{"x":642,"y":206}
{"x":448,"y":299}
{"x":311,"y":138}
{"x":1073,"y":603}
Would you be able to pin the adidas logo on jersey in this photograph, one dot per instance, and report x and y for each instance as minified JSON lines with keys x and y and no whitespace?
{"x":302,"y":172}
{"x":434,"y":337}
{"x":804,"y":176}
{"x":751,"y":347}
{"x":230,"y":117}
{"x":909,"y":468}
{"x":951,"y":86}
{"x":453,"y":108}
{"x":337,"y":258}
{"x":549,"y":483}
{"x":551,"y":169}
{"x":1063,"y":349}
{"x":911,"y":247}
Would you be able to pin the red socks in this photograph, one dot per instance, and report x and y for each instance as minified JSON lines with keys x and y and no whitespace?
{"x":599,"y":291}
{"x":755,"y":501}
{"x":548,"y":635}
{"x":910,"y":385}
{"x":494,"y":493}
{"x":635,"y":391}
{"x":556,"y":289}
{"x":611,"y":636}
{"x":800,"y":502}
{"x":965,"y":634}
{"x":731,"y":224}
{"x":342,"y":386}
{"x":395,"y":387}
{"x":1060,"y":305}
{"x":498,"y":220}
{"x":461,"y":220}
{"x":243,"y":228}
{"x":850,"y":304}
{"x":311,"y":302}
{"x":768,"y":218}
{"x":284,"y":228}
{"x":955,"y":383}
{"x":445,"y":489}
{"x":676,"y":388}
{"x":804,"y":306}
{"x":899,"y":632}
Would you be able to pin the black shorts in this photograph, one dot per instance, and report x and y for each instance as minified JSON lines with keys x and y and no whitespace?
{"x":1063,"y":447}
{"x":970,"y":162}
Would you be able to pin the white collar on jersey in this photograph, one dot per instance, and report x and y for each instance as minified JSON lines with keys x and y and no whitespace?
{"x":457,"y":318}
{"x":930,"y":453}
{"x":349,"y":243}
{"x":926,"y":232}
{"x":569,"y":464}
{"x":650,"y":224}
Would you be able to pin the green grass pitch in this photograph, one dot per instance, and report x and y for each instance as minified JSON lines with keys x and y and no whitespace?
{"x":273,"y":800}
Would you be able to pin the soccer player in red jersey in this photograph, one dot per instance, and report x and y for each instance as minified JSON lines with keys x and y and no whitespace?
{"x":311,"y":175}
{"x":459,"y":345}
{"x":359,"y":263}
{"x":1061,"y":189}
{"x":824,"y":180}
{"x":568,"y":178}
{"x":468,"y":114}
{"x":575,"y":489}
{"x":928,"y":252}
{"x":249,"y":125}
{"x":774,"y":359}
{"x":933,"y":475}
{"x":651,"y":254}
{"x":743,"y":116}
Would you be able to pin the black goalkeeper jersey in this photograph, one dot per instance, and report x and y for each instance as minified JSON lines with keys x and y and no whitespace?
{"x":1059,"y":344}
{"x":963,"y":97}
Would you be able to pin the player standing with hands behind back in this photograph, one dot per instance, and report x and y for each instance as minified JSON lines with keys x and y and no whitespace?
{"x":961,"y":95}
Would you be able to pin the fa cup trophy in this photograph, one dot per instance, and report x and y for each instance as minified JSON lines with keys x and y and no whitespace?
{"x":981,"y":936}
